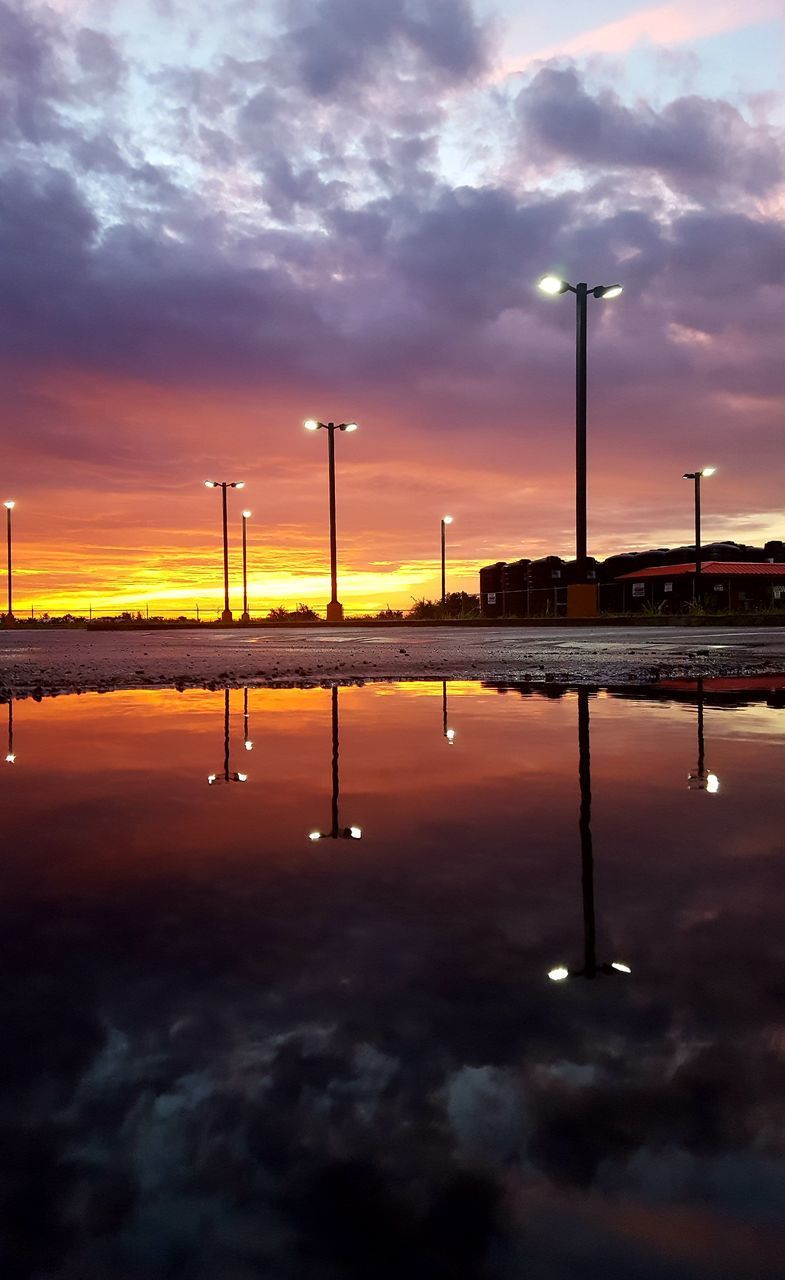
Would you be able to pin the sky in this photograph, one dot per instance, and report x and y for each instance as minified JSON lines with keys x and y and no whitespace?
{"x":218,"y":220}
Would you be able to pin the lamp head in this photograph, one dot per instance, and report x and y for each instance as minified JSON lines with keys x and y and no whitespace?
{"x":314,"y":835}
{"x":247,"y":515}
{"x":608,"y":290}
{"x":211,"y":484}
{"x":446,"y":519}
{"x":552,"y":285}
{"x":708,"y":471}
{"x":311,"y":424}
{"x":349,"y":426}
{"x":9,"y":505}
{"x":619,"y":967}
{"x":558,"y":974}
{"x":356,"y":833}
{"x":237,"y":484}
{"x":712,"y":784}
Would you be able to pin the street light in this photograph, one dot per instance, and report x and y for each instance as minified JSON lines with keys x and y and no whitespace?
{"x":334,"y":608}
{"x":696,"y":476}
{"x":214,"y":779}
{"x":702,"y":779}
{"x":445,"y":521}
{"x":223,"y":485}
{"x":336,"y":832}
{"x":590,"y":966}
{"x":449,"y":734}
{"x":245,"y":619}
{"x":9,"y":617}
{"x":578,"y":602}
{"x":10,"y":758}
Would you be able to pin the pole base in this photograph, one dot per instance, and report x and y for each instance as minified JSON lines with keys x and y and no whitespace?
{"x":582,"y":600}
{"x":9,"y":620}
{"x":335,"y":611}
{"x":226,"y":616}
{"x":245,"y":618}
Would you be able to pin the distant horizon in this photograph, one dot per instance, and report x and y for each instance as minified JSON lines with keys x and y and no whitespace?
{"x":219,"y":220}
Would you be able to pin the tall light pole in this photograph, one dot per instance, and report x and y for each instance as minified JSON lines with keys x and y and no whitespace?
{"x":336,"y":832}
{"x":583,"y":602}
{"x":702,"y":779}
{"x":213,"y":779}
{"x":245,"y":619}
{"x":9,"y":617}
{"x":449,"y":734}
{"x":445,"y":521}
{"x":591,"y":969}
{"x":697,"y":580}
{"x":246,"y":731}
{"x":334,"y":608}
{"x":223,"y":485}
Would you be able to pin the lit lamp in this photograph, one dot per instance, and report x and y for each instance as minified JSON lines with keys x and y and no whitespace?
{"x":223,"y":485}
{"x":583,"y":601}
{"x":449,"y":734}
{"x":9,"y":616}
{"x":336,"y":832}
{"x":334,"y":608}
{"x":591,"y":969}
{"x":696,"y":476}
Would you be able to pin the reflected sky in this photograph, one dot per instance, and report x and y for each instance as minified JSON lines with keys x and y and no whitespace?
{"x":234,"y":1050}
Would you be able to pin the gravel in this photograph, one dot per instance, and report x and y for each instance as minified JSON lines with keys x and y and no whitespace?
{"x":40,"y":663}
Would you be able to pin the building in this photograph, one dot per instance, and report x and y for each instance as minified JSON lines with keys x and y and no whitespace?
{"x":734,"y":585}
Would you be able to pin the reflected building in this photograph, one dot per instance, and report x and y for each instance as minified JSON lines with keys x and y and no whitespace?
{"x":227,"y":774}
{"x":336,"y":832}
{"x":591,"y":968}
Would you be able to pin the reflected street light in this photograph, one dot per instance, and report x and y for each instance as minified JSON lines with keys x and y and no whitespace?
{"x":697,"y":580}
{"x":445,"y":521}
{"x":551,"y":284}
{"x":9,"y":617}
{"x":449,"y":734}
{"x":702,"y":779}
{"x":223,"y":485}
{"x":590,"y":966}
{"x":245,"y":619}
{"x":213,"y":779}
{"x":334,"y":608}
{"x":246,"y":732}
{"x":10,"y":758}
{"x":336,"y":832}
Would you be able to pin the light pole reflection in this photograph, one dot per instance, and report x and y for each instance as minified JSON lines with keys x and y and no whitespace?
{"x":246,"y":731}
{"x":702,"y":779}
{"x":10,"y":758}
{"x":336,"y":832}
{"x":213,"y":779}
{"x":590,"y":966}
{"x":449,"y":734}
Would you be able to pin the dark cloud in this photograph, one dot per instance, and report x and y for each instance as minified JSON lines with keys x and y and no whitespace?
{"x":695,"y":144}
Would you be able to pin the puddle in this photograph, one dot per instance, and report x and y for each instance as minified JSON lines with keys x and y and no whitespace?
{"x":276,"y":997}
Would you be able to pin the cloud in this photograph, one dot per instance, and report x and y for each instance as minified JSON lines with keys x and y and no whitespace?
{"x":694,"y":144}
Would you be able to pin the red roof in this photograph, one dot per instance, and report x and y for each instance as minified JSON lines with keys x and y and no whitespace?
{"x":714,"y":569}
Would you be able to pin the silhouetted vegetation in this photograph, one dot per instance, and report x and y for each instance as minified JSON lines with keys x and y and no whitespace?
{"x":457,"y":604}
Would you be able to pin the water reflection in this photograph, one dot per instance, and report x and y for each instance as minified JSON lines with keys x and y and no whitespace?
{"x":449,"y":734}
{"x":590,"y":967}
{"x":228,"y":1053}
{"x":10,"y":757}
{"x":213,"y":779}
{"x":336,"y":832}
{"x":701,"y":779}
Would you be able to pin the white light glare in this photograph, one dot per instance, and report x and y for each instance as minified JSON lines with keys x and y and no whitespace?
{"x":314,"y":835}
{"x":211,"y":777}
{"x":10,"y":505}
{"x":558,"y":974}
{"x":211,"y":484}
{"x":248,"y":744}
{"x":350,"y":426}
{"x":450,"y":735}
{"x":619,"y":967}
{"x":447,"y":519}
{"x":613,"y":291}
{"x":551,"y":284}
{"x":242,"y":777}
{"x":356,"y":833}
{"x":311,"y":425}
{"x":712,"y":784}
{"x":247,"y":515}
{"x":10,"y":758}
{"x":708,"y":471}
